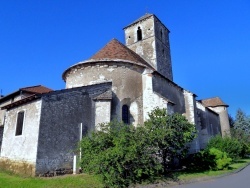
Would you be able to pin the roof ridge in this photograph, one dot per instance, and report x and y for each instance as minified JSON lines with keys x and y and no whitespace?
{"x":30,"y":87}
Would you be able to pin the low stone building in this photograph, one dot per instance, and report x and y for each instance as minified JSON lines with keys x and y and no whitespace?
{"x":41,"y":132}
{"x":123,"y":82}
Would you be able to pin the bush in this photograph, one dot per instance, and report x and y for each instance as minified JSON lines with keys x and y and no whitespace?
{"x":244,"y":139}
{"x":227,"y":144}
{"x":120,"y":154}
{"x":170,"y":135}
{"x":208,"y":159}
{"x":221,"y":161}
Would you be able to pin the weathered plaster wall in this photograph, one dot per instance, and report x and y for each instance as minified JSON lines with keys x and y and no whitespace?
{"x":224,"y":121}
{"x":163,"y":56}
{"x":126,"y":85}
{"x":151,"y":99}
{"x":102,"y":112}
{"x":145,"y":47}
{"x":61,"y":116}
{"x":208,"y":123}
{"x":18,"y":153}
{"x":170,"y":91}
{"x":154,"y":46}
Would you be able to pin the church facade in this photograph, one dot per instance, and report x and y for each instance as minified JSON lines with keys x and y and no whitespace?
{"x":123,"y":82}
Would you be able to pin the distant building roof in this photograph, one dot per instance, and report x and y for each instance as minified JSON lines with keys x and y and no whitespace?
{"x":213,"y":102}
{"x":38,"y":89}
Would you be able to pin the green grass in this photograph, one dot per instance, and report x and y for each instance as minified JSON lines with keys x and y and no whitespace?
{"x":8,"y":180}
{"x":188,"y":176}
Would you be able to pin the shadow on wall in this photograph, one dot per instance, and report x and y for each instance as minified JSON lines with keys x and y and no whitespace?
{"x":1,"y":137}
{"x":119,"y":112}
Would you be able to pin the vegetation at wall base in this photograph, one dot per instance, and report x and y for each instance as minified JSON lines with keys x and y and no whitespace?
{"x":123,"y":154}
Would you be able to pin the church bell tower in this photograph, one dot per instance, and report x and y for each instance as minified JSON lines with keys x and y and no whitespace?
{"x":149,"y":38}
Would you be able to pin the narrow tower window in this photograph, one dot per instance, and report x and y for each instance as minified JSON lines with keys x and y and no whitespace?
{"x":139,"y":34}
{"x":161,"y":34}
{"x":19,"y":124}
{"x":125,"y":114}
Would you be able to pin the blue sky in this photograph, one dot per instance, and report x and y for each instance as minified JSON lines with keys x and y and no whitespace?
{"x":210,"y":41}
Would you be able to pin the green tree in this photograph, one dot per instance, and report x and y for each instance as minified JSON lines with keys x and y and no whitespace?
{"x":120,"y":154}
{"x":169,"y":134}
{"x":123,"y":154}
{"x":242,"y":122}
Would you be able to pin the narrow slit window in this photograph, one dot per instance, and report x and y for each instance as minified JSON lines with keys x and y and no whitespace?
{"x":19,"y":125}
{"x":161,"y":34}
{"x":125,"y":114}
{"x":139,"y":34}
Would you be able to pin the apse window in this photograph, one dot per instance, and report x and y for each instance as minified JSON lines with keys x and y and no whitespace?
{"x":125,"y":114}
{"x":19,"y":124}
{"x":139,"y":34}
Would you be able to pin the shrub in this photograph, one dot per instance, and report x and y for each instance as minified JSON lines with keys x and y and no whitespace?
{"x":221,"y":161}
{"x":211,"y":158}
{"x":227,"y":144}
{"x":120,"y":154}
{"x":244,"y":139}
{"x":169,"y":134}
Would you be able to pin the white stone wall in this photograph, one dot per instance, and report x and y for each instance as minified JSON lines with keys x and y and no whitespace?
{"x":102,"y":112}
{"x":22,"y":148}
{"x":126,"y":85}
{"x":151,"y":100}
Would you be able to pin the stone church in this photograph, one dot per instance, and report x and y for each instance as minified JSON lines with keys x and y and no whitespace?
{"x":41,"y":130}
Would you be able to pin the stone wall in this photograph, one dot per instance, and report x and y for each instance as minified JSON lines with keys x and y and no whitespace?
{"x":126,"y":85}
{"x":18,"y":153}
{"x":208,"y":124}
{"x":61,"y":116}
{"x":170,"y":91}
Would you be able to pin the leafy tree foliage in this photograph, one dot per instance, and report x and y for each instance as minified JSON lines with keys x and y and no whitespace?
{"x":122,"y":154}
{"x":242,"y":122}
{"x":226,"y":144}
{"x":169,"y":134}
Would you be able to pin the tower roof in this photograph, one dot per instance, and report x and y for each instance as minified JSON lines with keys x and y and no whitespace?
{"x":116,"y":50}
{"x":145,"y":16}
{"x":213,"y":102}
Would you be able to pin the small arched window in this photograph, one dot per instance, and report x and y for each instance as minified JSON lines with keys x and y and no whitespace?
{"x":139,"y":34}
{"x":161,"y":34}
{"x":125,"y":114}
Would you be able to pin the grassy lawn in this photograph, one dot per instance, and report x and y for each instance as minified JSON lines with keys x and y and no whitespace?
{"x":9,"y":180}
{"x":189,"y":176}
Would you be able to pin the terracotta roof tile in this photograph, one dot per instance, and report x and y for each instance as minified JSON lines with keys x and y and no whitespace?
{"x":213,"y":102}
{"x":116,"y":50}
{"x":36,"y":89}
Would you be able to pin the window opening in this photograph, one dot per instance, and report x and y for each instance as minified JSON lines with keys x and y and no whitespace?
{"x":161,"y":34}
{"x":139,"y":34}
{"x":19,"y":125}
{"x":125,"y":114}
